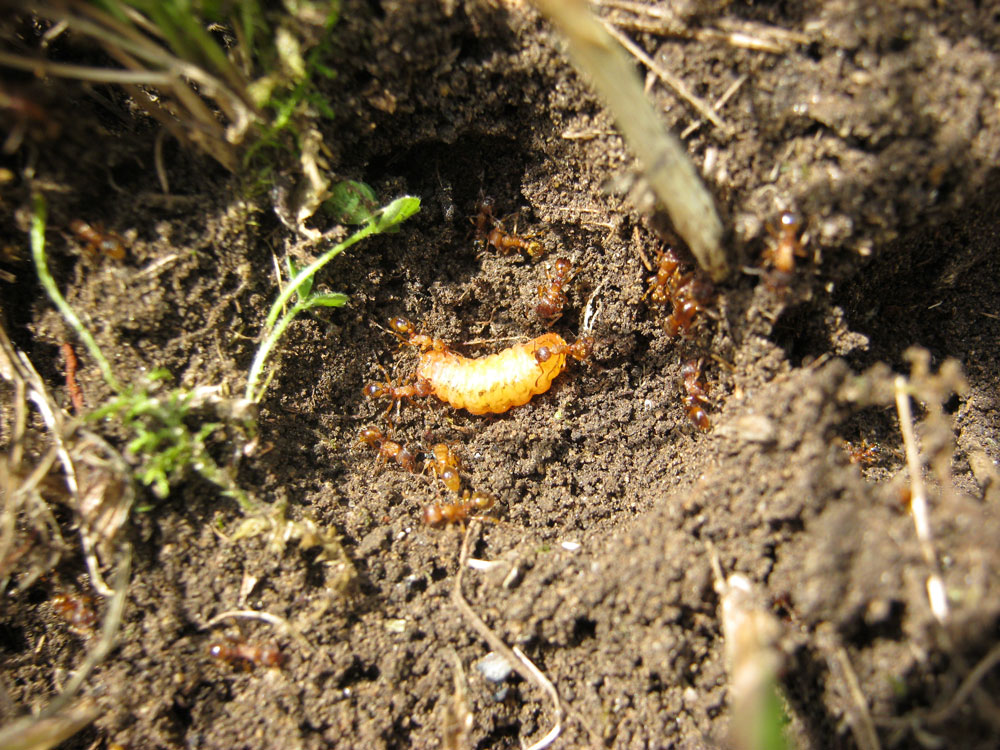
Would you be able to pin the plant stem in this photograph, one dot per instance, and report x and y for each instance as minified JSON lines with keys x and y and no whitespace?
{"x":385,"y":218}
{"x":312,"y":268}
{"x":265,"y":349}
{"x":48,"y":283}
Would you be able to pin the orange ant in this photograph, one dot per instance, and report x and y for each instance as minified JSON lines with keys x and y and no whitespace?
{"x":484,"y":220}
{"x":246,"y":655}
{"x":490,"y":232}
{"x":578,"y":350}
{"x":683,"y":292}
{"x":388,"y":449}
{"x":553,"y":298}
{"x":507,"y":243}
{"x":662,"y":285}
{"x":863,"y":452}
{"x":696,"y":397}
{"x":77,"y":610}
{"x":406,"y":332}
{"x":786,"y":244}
{"x":396,"y":393}
{"x":445,"y":464}
{"x":439,"y":514}
{"x":97,"y":240}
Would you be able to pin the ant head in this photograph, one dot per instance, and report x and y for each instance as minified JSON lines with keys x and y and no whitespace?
{"x":374,"y":390}
{"x":451,"y":479}
{"x":371,"y":435}
{"x":535,"y":249}
{"x":582,"y":347}
{"x":406,"y":459}
{"x":401,"y":327}
{"x":481,"y":501}
{"x":691,"y":369}
{"x":542,"y":354}
{"x":562,"y":266}
{"x":433,"y":515}
{"x":790,"y":220}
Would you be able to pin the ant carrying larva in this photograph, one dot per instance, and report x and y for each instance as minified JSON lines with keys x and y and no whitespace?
{"x":491,"y":384}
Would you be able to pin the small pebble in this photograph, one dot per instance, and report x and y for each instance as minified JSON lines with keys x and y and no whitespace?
{"x":494,"y":667}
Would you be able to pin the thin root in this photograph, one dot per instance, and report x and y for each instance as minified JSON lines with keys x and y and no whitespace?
{"x":915,"y":720}
{"x":858,"y":716}
{"x":918,"y":503}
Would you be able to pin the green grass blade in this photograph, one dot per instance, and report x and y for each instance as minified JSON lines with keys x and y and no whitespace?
{"x":38,"y":219}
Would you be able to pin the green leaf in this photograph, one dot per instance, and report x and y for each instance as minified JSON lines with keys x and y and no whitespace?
{"x":351,"y":202}
{"x":398,"y":211}
{"x":333,"y":299}
{"x":324,"y":70}
{"x":305,"y":287}
{"x":320,"y":104}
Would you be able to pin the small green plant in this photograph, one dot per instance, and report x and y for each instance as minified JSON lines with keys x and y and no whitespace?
{"x":164,"y":442}
{"x":261,"y":84}
{"x":168,"y":436}
{"x":350,"y":202}
{"x":301,"y":284}
{"x":38,"y":219}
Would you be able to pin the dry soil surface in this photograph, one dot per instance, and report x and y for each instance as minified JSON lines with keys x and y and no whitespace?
{"x":878,"y":122}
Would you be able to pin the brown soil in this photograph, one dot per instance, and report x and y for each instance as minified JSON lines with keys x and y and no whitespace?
{"x":882,"y":131}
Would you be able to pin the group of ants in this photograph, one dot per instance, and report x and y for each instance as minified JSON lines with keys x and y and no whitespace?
{"x":679,"y":297}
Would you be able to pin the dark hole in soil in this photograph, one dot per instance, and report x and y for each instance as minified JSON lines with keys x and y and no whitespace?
{"x":358,"y":672}
{"x":12,"y":638}
{"x":889,"y":627}
{"x":501,"y":736}
{"x":583,"y":628}
{"x":800,"y":332}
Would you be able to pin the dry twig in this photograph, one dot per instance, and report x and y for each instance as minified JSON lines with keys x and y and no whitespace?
{"x":858,"y":716}
{"x":728,"y":94}
{"x":753,"y":658}
{"x":665,"y":162}
{"x":679,"y":87}
{"x":916,"y":720}
{"x":661,"y":20}
{"x":458,"y":716}
{"x":918,"y":503}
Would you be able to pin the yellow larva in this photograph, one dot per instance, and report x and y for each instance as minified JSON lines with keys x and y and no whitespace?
{"x":483,"y":385}
{"x":495,"y":383}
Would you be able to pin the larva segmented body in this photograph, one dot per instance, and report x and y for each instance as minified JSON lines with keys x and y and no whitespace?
{"x":487,"y":385}
{"x":495,"y":383}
